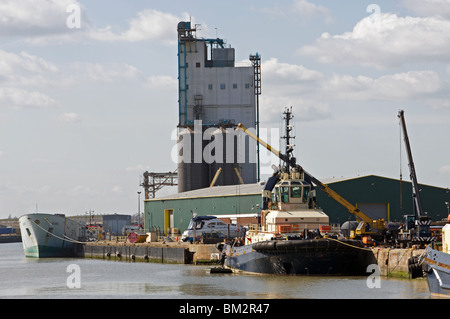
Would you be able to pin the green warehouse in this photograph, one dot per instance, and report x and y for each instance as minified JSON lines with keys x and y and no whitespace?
{"x":376,"y":196}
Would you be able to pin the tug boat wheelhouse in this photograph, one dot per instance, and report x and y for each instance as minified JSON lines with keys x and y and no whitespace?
{"x":294,"y":236}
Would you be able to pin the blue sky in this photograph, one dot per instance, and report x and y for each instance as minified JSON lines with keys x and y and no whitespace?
{"x":85,"y":111}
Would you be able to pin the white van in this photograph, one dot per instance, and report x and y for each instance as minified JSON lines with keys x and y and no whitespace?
{"x":202,"y":226}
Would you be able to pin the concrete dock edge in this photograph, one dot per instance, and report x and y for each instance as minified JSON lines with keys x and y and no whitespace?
{"x":392,"y":262}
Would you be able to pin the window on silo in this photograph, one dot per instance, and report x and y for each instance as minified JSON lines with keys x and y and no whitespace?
{"x":222,"y":86}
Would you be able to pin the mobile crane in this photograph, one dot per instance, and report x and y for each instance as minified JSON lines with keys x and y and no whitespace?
{"x":366,"y":227}
{"x":416,"y":229}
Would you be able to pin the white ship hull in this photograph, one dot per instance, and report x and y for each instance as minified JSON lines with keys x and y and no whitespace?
{"x":48,"y":235}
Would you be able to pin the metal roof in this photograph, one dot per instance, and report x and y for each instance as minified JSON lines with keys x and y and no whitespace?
{"x":250,"y":189}
{"x":217,"y":191}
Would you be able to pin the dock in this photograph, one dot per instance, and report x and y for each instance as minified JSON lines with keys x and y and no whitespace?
{"x":169,"y":252}
{"x":391,"y":262}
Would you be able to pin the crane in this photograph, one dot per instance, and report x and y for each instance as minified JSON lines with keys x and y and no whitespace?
{"x":417,"y":227}
{"x":366,"y":227}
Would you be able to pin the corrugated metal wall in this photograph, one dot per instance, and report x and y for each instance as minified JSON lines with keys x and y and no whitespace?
{"x":379,"y":190}
{"x":364,"y":190}
{"x":183,"y":208}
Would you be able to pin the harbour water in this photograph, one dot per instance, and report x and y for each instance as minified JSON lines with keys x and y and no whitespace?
{"x":63,"y":278}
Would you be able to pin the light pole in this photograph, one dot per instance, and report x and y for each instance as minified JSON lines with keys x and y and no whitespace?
{"x":139,"y":209}
{"x":448,"y":210}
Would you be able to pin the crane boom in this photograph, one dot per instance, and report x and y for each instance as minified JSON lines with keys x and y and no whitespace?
{"x":341,"y":200}
{"x":420,"y":232}
{"x":415,"y":186}
{"x":260,"y":141}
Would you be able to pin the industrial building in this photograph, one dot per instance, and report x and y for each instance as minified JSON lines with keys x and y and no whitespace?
{"x":376,"y":196}
{"x":114,"y":224}
{"x":234,"y":203}
{"x":218,"y":169}
{"x":215,"y":94}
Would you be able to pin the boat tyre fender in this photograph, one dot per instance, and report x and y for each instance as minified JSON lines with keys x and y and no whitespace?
{"x":265,"y":246}
{"x":219,"y":246}
{"x":414,"y":268}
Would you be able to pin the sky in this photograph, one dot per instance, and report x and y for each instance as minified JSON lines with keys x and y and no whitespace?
{"x":89,"y":100}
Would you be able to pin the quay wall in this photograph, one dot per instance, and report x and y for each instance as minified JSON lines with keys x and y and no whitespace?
{"x":176,"y":253}
{"x":391,"y":262}
{"x":143,"y":253}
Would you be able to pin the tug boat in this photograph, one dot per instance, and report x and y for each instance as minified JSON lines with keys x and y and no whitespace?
{"x":294,"y":236}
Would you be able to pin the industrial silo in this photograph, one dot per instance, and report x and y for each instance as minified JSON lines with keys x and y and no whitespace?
{"x":223,"y":149}
{"x":193,"y":172}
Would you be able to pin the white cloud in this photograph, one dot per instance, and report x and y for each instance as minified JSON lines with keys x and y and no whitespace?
{"x":387,"y":87}
{"x":26,"y":69}
{"x":302,"y":9}
{"x":307,"y":10}
{"x":292,"y":85}
{"x":44,"y":22}
{"x":161,"y":82}
{"x":275,"y":70}
{"x":34,"y":17}
{"x":149,"y":25}
{"x":104,"y":72}
{"x":440,"y":8}
{"x":393,"y":41}
{"x":312,"y":92}
{"x":11,"y":63}
{"x":70,"y":117}
{"x":306,"y":109}
{"x":16,"y":98}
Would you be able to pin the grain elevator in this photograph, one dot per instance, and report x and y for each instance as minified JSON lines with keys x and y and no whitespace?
{"x":215,"y":93}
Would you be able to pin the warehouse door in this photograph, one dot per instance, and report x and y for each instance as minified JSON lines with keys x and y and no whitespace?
{"x":168,"y":221}
{"x":375,"y":210}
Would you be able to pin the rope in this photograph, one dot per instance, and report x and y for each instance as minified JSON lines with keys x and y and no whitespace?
{"x":68,"y":238}
{"x":422,"y":257}
{"x":353,"y":246}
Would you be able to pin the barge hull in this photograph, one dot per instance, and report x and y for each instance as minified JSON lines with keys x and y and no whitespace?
{"x":302,"y":257}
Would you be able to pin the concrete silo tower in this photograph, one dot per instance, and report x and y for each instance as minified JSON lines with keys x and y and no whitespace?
{"x":214,"y":92}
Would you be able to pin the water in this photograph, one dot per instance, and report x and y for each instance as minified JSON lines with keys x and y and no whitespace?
{"x":22,"y":277}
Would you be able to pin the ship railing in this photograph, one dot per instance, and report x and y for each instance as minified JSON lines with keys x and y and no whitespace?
{"x":255,"y":228}
{"x":335,"y":228}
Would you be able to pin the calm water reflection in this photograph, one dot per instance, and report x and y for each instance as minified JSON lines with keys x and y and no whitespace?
{"x":22,"y":277}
